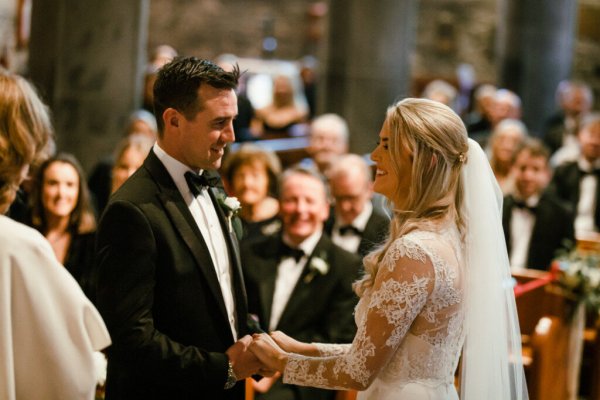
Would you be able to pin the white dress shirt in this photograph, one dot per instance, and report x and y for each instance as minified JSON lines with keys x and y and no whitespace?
{"x":522,"y":222}
{"x":207,"y":219}
{"x":351,"y":242}
{"x":288,"y":273}
{"x":586,"y":207}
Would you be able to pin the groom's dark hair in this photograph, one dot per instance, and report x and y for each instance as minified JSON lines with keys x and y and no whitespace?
{"x":178,"y":82}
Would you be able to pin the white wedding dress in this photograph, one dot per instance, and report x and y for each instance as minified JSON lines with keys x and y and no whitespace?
{"x":410,"y":326}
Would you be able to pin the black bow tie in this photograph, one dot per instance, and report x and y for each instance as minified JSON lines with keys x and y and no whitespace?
{"x":287,"y":251}
{"x":349,"y":230}
{"x":593,"y":172}
{"x":198,"y":182}
{"x":523,"y":206}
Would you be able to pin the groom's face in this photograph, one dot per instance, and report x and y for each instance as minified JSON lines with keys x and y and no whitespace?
{"x":199,"y":141}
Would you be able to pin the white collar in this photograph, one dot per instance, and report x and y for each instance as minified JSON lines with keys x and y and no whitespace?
{"x":175,"y":168}
{"x":360,"y":222}
{"x":587,"y":166}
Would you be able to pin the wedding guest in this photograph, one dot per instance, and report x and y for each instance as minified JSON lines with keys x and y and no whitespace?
{"x":282,"y":114}
{"x":129,"y":156}
{"x":442,"y":91}
{"x":140,"y":122}
{"x":577,"y":183}
{"x":479,"y":118}
{"x":575,"y":100}
{"x":355,"y":224}
{"x":62,"y":212}
{"x":438,"y":282}
{"x":251,"y":174}
{"x":506,"y":138}
{"x":505,"y":105}
{"x":536,"y":223}
{"x":300,"y":269}
{"x":49,"y":330}
{"x":328,"y":140}
{"x":170,"y":283}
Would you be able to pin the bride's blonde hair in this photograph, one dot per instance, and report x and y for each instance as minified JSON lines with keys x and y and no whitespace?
{"x":436,"y":139}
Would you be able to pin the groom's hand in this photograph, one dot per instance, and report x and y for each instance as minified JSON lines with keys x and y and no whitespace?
{"x":243,"y":361}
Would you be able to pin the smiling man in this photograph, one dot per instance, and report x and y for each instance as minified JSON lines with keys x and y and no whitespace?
{"x":170,"y":286}
{"x":298,"y":280}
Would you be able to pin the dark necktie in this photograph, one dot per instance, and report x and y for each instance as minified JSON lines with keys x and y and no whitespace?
{"x":593,"y":172}
{"x":287,"y":251}
{"x":349,"y":230}
{"x":198,"y":182}
{"x":523,"y":206}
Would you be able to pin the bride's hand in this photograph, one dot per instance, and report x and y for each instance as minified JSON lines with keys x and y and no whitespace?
{"x":268,"y":352}
{"x":292,"y":345}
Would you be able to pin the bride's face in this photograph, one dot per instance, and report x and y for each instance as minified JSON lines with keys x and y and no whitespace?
{"x":387,"y":181}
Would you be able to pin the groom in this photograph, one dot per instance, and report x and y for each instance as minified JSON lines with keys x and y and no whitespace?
{"x":170,"y":287}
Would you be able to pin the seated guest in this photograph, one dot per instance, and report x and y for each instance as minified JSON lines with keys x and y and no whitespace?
{"x":536,"y":223}
{"x":577,"y":183}
{"x":251,"y":175}
{"x":282,"y":114}
{"x":479,"y":119}
{"x":441,"y":91}
{"x":61,"y":211}
{"x":129,"y":156}
{"x":355,"y":224}
{"x":504,"y":142}
{"x":48,"y":329}
{"x":575,"y":100}
{"x":299,"y":281}
{"x":328,"y":140}
{"x":505,"y":105}
{"x":140,"y":122}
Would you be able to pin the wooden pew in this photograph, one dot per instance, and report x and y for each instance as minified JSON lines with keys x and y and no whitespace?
{"x":545,"y":337}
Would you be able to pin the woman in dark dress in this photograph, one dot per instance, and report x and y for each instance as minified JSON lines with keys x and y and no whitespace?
{"x":61,"y":211}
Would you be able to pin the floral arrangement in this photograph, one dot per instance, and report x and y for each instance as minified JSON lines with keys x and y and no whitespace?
{"x":318,"y":266}
{"x":578,"y":278}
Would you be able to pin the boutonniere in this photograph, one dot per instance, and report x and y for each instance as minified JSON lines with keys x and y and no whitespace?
{"x":231,"y":207}
{"x":318,"y":266}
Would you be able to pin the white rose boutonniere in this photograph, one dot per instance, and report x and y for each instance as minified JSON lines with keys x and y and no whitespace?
{"x":318,"y":266}
{"x":231,"y":207}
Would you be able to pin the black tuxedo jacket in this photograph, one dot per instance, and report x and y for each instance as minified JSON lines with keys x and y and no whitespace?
{"x":320,"y":308}
{"x":565,"y":184}
{"x":375,"y":232}
{"x":159,"y":295}
{"x":553,"y":225}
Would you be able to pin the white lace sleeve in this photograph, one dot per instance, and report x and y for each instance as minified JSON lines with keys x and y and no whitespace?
{"x":403,"y":283}
{"x":331,"y":349}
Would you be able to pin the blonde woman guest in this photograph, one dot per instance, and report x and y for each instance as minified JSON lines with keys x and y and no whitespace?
{"x":506,"y":139}
{"x":129,"y":156}
{"x":438,"y":283}
{"x":49,"y":330}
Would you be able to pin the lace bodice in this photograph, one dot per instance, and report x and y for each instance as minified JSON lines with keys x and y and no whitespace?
{"x":410,"y":322}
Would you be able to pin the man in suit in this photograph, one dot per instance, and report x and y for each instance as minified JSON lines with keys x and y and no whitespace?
{"x":355,"y":224}
{"x":298,"y":281}
{"x":170,"y":286}
{"x":536,"y":223}
{"x":577,"y":182}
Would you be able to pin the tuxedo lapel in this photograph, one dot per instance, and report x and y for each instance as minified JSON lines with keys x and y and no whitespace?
{"x":304,"y":289}
{"x":185,"y":225}
{"x":235,"y":261}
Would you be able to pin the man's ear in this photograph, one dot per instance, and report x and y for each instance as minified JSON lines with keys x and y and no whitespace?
{"x":171,"y":118}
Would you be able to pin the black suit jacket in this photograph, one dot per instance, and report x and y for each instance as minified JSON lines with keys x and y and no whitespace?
{"x":159,"y":295}
{"x":553,"y":225}
{"x":565,"y":184}
{"x":320,"y":308}
{"x":375,"y":232}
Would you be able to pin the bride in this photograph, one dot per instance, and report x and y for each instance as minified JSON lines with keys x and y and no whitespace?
{"x":438,"y":287}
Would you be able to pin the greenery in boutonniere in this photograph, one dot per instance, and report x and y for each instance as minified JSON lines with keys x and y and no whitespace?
{"x":231,"y":207}
{"x":318,"y":266}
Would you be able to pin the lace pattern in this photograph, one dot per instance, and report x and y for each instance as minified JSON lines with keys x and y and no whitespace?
{"x":409,"y":322}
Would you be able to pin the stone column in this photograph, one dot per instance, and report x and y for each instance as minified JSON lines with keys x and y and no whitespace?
{"x":535,"y":52}
{"x":367,"y":63}
{"x":87,"y":58}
